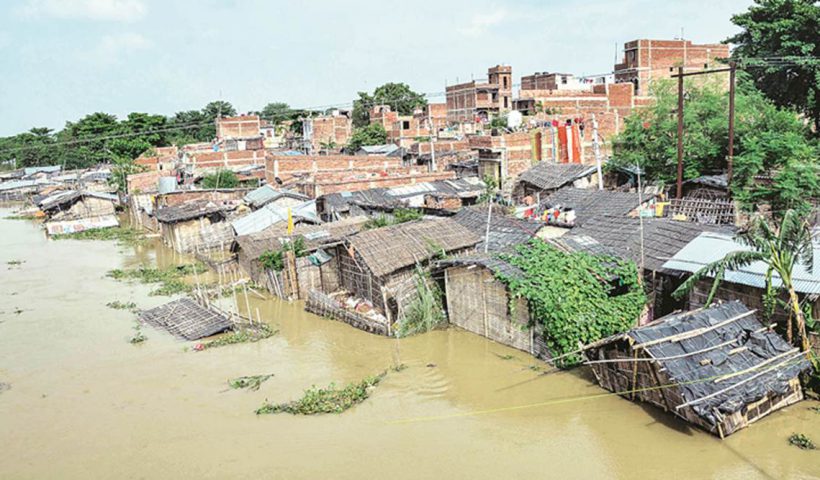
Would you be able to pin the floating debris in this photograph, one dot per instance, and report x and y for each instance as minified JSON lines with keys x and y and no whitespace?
{"x":326,"y":400}
{"x":15,"y":263}
{"x":244,"y":334}
{"x":187,"y":319}
{"x":251,"y":382}
{"x":4,"y":387}
{"x":802,"y":442}
{"x":504,"y":357}
{"x":399,"y":367}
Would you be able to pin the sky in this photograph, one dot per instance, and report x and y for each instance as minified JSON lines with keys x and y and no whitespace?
{"x":63,"y":59}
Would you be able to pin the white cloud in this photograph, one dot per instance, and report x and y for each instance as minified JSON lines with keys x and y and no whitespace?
{"x":115,"y":10}
{"x":480,"y":22}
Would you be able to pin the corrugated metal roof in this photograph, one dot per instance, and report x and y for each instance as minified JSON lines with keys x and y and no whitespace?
{"x":267,"y":193}
{"x":710,"y":247}
{"x":271,"y":214}
{"x":47,"y":169}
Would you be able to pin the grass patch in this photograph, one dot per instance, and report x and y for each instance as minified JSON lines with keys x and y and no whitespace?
{"x":170,"y":279}
{"x":246,"y":334}
{"x":504,"y":357}
{"x":815,"y":410}
{"x":20,"y":217}
{"x":251,"y":382}
{"x":802,"y":442}
{"x":15,"y":263}
{"x":326,"y":400}
{"x":123,"y":235}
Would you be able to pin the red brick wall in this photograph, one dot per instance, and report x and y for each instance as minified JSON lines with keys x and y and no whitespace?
{"x":337,"y":128}
{"x":146,"y":181}
{"x":218,"y":160}
{"x":286,"y":166}
{"x":178,"y":197}
{"x":235,"y":127}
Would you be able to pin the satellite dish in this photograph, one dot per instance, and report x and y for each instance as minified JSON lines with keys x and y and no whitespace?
{"x":514,"y":119}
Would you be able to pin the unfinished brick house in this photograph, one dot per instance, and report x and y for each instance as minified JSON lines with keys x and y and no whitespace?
{"x":243,"y":126}
{"x":327,"y":133}
{"x":479,"y":101}
{"x":647,"y":60}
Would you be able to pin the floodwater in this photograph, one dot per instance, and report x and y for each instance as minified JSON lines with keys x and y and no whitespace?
{"x":84,"y":403}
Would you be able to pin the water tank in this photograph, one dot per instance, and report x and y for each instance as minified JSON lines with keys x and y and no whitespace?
{"x":167,"y":184}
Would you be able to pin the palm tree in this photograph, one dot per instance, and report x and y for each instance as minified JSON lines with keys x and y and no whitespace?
{"x":780,"y":248}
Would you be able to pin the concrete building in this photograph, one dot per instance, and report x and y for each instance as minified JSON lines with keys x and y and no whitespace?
{"x":647,"y":60}
{"x":554,"y":81}
{"x":481,"y":100}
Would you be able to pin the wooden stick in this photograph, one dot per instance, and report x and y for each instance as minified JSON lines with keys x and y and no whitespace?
{"x":693,"y":333}
{"x":698,"y":400}
{"x":747,"y":370}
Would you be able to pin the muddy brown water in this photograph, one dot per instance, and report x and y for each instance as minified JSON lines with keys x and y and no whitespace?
{"x":84,"y":403}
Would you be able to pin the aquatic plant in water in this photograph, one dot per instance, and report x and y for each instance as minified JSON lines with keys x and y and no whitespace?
{"x":170,"y":279}
{"x":251,"y":382}
{"x":802,"y":442}
{"x":138,"y":336}
{"x":326,"y":400}
{"x":118,"y":305}
{"x":245,"y":334}
{"x":424,"y":312}
{"x":123,"y":235}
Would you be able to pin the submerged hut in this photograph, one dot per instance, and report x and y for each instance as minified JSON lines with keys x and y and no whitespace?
{"x":182,"y":225}
{"x":318,"y":266}
{"x":479,"y":301}
{"x":718,"y":368}
{"x":378,"y":267}
{"x":545,"y":177}
{"x":73,"y":211}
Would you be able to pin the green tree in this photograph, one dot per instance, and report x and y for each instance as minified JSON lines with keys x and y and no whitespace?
{"x":32,"y":148}
{"x":218,"y":108}
{"x":780,"y":248}
{"x":220,"y":179}
{"x":372,"y":134}
{"x":398,"y":96}
{"x":190,"y":126}
{"x":787,"y":31}
{"x":277,"y":112}
{"x":768,"y":141}
{"x":85,"y":143}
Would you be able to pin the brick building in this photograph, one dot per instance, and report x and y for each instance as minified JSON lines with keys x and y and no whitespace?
{"x":481,"y":100}
{"x":647,"y":60}
{"x":327,"y":132}
{"x":554,"y":81}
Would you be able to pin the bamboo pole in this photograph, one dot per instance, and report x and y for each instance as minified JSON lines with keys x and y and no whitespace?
{"x":694,"y":333}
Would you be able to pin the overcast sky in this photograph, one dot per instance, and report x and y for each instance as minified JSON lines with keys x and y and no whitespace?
{"x":62,"y":59}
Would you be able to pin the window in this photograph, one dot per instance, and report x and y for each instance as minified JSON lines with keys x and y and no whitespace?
{"x":506,"y":83}
{"x":405,"y":125}
{"x":563,"y":80}
{"x":506,"y":102}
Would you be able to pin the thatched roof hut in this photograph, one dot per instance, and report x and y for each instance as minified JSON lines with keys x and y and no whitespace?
{"x":718,"y":368}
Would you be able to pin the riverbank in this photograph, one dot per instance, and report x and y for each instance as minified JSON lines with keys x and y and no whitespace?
{"x":84,"y":403}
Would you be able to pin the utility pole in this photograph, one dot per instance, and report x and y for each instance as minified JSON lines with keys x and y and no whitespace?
{"x":679,"y":190}
{"x":432,"y":144}
{"x":730,"y":158}
{"x":731,"y":155}
{"x":597,"y":150}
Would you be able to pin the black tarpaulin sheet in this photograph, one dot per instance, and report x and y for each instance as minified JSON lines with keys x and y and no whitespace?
{"x":697,"y":374}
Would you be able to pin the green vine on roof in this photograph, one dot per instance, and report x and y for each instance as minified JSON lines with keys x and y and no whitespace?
{"x":576,"y":297}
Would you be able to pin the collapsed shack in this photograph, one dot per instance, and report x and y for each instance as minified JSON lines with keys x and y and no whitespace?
{"x":186,"y":319}
{"x":479,"y":302}
{"x":185,"y":227}
{"x":318,"y":268}
{"x":73,"y":211}
{"x":705,"y":200}
{"x":504,"y":230}
{"x":378,"y":268}
{"x":718,"y":368}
